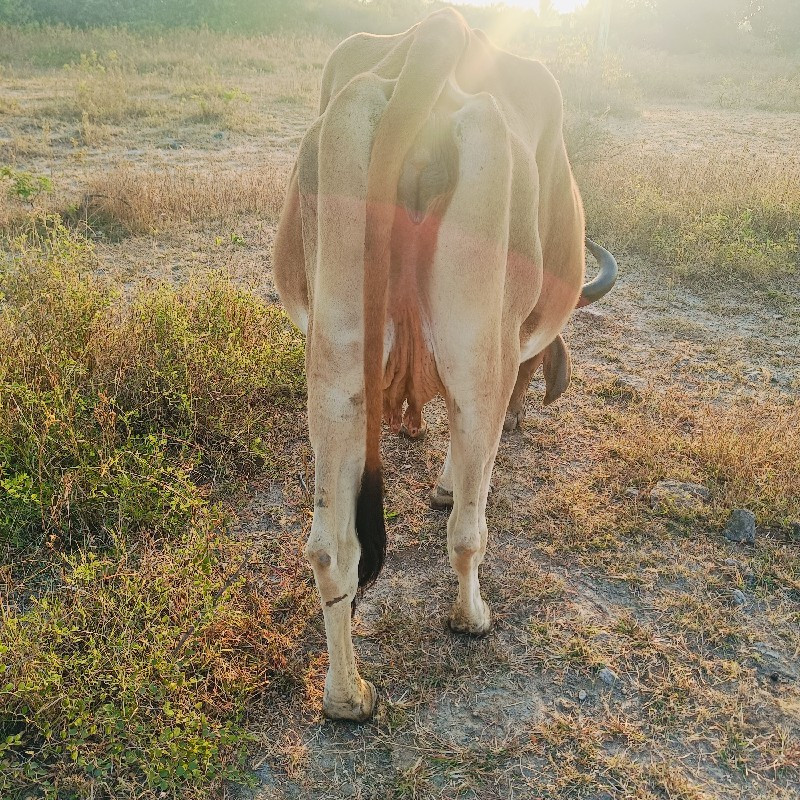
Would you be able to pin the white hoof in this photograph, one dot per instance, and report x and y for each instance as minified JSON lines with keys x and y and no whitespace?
{"x":357,"y":709}
{"x":473,"y":625}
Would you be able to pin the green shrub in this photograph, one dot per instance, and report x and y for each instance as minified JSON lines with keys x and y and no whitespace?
{"x":126,"y":664}
{"x":110,"y":410}
{"x":24,"y":185}
{"x":130,"y":680}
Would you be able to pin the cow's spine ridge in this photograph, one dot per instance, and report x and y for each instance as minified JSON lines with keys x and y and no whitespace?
{"x":439,"y":43}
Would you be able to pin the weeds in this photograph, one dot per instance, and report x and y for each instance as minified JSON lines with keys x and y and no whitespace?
{"x":93,"y":393}
{"x":130,"y":680}
{"x":126,"y":672}
{"x":707,"y":218}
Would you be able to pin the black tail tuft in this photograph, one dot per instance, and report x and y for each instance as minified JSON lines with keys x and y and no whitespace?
{"x":370,"y":528}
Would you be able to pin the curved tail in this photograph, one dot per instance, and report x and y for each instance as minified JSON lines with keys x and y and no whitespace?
{"x":438,"y":44}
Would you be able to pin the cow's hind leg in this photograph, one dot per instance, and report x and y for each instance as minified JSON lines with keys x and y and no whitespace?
{"x":477,"y":356}
{"x":475,"y":435}
{"x":335,"y":372}
{"x":333,"y":552}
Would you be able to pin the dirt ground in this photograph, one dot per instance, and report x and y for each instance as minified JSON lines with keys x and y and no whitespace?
{"x":656,"y":661}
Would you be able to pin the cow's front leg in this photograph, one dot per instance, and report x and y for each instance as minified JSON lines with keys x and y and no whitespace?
{"x":516,"y":405}
{"x":442,"y":493}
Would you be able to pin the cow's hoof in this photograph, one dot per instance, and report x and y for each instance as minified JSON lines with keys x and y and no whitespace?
{"x":358,"y":709}
{"x":513,"y":419}
{"x":417,"y":434}
{"x":470,"y":625}
{"x":441,"y":499}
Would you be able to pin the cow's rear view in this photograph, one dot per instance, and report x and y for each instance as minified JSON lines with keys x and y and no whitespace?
{"x":432,"y":242}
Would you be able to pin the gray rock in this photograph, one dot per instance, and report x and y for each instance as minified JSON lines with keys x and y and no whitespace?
{"x":774,"y":663}
{"x":739,"y":597}
{"x":608,"y":676}
{"x":666,"y":495}
{"x":632,"y":492}
{"x":582,"y":695}
{"x":741,"y":526}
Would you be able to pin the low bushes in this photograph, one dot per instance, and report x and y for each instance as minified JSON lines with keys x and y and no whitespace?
{"x":108,"y":409}
{"x":131,"y":634}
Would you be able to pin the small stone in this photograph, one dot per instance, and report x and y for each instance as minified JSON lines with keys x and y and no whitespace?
{"x":632,"y":492}
{"x":771,"y":662}
{"x":608,"y":676}
{"x":219,"y":135}
{"x":668,"y":495}
{"x":733,"y":562}
{"x":582,"y":695}
{"x":741,"y":526}
{"x":739,"y":597}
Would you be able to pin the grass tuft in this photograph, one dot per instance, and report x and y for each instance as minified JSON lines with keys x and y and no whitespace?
{"x":706,"y":217}
{"x":131,"y":201}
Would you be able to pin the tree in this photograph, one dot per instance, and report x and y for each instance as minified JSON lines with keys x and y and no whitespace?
{"x":675,"y":25}
{"x":777,"y":21}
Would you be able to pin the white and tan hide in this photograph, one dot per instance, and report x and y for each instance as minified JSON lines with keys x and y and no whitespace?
{"x":432,"y":242}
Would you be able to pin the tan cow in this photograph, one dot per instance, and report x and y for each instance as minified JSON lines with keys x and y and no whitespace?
{"x":432,"y":242}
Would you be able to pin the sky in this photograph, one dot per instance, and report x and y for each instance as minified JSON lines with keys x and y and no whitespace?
{"x":560,"y":5}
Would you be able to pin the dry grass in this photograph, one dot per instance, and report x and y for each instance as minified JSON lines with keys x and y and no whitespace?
{"x":103,"y":79}
{"x":761,"y":81}
{"x":746,"y":452}
{"x":709,"y":216}
{"x":143,"y":201}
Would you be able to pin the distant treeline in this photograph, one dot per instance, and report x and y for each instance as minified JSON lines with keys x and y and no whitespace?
{"x":675,"y":25}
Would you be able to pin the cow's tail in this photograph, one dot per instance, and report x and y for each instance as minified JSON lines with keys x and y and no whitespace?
{"x":438,"y":44}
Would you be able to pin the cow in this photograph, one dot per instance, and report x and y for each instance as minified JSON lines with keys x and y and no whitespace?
{"x":431,"y":242}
